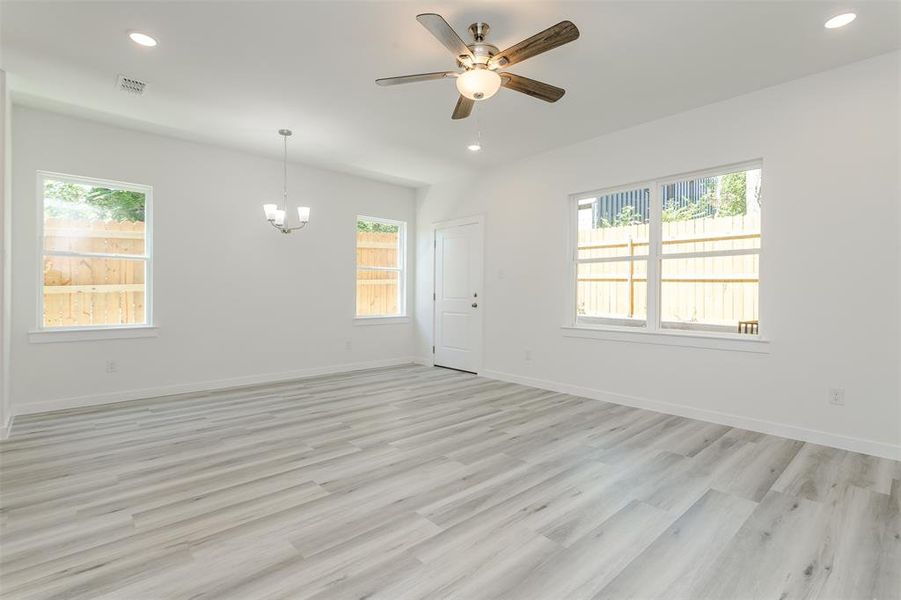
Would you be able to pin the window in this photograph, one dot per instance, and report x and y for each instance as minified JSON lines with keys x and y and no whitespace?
{"x":381,"y":279}
{"x":95,"y":253}
{"x":612,"y":256}
{"x":679,"y":253}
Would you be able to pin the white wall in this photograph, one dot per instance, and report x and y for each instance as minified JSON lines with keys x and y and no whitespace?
{"x":830,"y":264}
{"x":235,"y":300}
{"x":5,"y":254}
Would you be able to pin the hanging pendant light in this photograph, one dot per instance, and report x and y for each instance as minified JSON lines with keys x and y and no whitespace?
{"x":275,"y":215}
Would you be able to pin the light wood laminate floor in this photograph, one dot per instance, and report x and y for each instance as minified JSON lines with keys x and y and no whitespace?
{"x":415,"y":482}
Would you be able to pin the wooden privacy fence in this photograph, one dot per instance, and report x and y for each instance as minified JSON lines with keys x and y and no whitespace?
{"x":378,"y":290}
{"x":80,"y":290}
{"x":715,"y":290}
{"x":92,"y":290}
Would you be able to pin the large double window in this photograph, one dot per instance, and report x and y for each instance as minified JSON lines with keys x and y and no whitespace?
{"x":95,"y":253}
{"x":675,"y":253}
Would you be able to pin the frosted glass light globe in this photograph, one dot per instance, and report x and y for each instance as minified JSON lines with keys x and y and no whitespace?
{"x":478,"y":84}
{"x":270,"y":210}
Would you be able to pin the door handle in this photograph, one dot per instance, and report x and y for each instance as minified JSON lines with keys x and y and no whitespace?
{"x":475,"y":304}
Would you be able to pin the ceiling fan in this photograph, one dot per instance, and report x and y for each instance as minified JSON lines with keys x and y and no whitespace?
{"x":482,"y":62}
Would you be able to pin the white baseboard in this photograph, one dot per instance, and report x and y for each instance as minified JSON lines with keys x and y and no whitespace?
{"x":814,"y":436}
{"x":31,"y":408}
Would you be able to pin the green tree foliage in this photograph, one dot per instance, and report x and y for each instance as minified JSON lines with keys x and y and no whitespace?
{"x":733,"y":195}
{"x":675,"y":211}
{"x":120,"y":205}
{"x":74,"y":201}
{"x":377,"y":227}
{"x":627,"y":216}
{"x":730,"y":201}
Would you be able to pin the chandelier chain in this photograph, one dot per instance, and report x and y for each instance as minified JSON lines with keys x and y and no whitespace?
{"x":285,"y":173}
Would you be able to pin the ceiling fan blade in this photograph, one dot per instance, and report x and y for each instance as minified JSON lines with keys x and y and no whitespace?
{"x":536,"y":89}
{"x":552,"y":37}
{"x":438,"y":27}
{"x":463,"y":108}
{"x":415,"y":78}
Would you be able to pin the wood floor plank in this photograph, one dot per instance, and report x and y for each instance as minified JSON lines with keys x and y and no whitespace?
{"x":415,"y":482}
{"x":587,"y":566}
{"x":669,"y":567}
{"x":756,"y":473}
{"x":888,"y":575}
{"x":774,"y":535}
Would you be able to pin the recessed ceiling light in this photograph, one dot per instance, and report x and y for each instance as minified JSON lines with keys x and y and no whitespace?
{"x":474,"y":147}
{"x":840,"y":20}
{"x":142,"y":38}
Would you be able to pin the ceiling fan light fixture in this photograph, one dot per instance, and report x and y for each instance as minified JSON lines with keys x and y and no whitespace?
{"x":479,"y":80}
{"x":478,"y":83}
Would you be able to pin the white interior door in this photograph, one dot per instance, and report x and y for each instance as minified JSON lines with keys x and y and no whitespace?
{"x":458,"y":296}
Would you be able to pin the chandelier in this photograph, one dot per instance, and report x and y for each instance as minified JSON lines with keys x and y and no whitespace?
{"x":276,"y":215}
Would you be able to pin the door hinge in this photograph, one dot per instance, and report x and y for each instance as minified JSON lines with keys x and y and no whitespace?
{"x":433,"y":349}
{"x":434,"y":296}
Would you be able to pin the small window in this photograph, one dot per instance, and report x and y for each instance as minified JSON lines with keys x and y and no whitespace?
{"x":381,"y":277}
{"x":671,"y":254}
{"x":95,"y":259}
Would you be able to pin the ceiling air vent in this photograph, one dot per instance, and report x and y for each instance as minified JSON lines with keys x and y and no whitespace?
{"x":131,"y":85}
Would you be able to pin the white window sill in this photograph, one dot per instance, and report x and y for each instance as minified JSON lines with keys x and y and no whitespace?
{"x":86,"y":334}
{"x":713,"y":341}
{"x":381,"y":320}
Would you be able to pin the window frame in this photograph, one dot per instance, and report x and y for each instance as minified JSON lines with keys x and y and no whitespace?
{"x":620,"y":323}
{"x":401,"y":270}
{"x":90,"y":332}
{"x":653,"y":330}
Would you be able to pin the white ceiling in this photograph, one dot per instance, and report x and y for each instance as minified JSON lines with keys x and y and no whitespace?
{"x":233,"y":73}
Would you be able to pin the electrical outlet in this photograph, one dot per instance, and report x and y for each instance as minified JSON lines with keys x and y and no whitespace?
{"x":528,"y":354}
{"x":837,"y":396}
{"x":112,"y":366}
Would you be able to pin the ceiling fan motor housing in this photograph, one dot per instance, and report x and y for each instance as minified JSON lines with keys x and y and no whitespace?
{"x":481,"y":51}
{"x":479,"y":31}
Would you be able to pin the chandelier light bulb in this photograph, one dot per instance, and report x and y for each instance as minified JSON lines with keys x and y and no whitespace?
{"x":303,"y":213}
{"x":478,"y":83}
{"x":270,"y":210}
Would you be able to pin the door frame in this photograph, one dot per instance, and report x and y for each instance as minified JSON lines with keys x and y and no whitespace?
{"x":474,"y":219}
